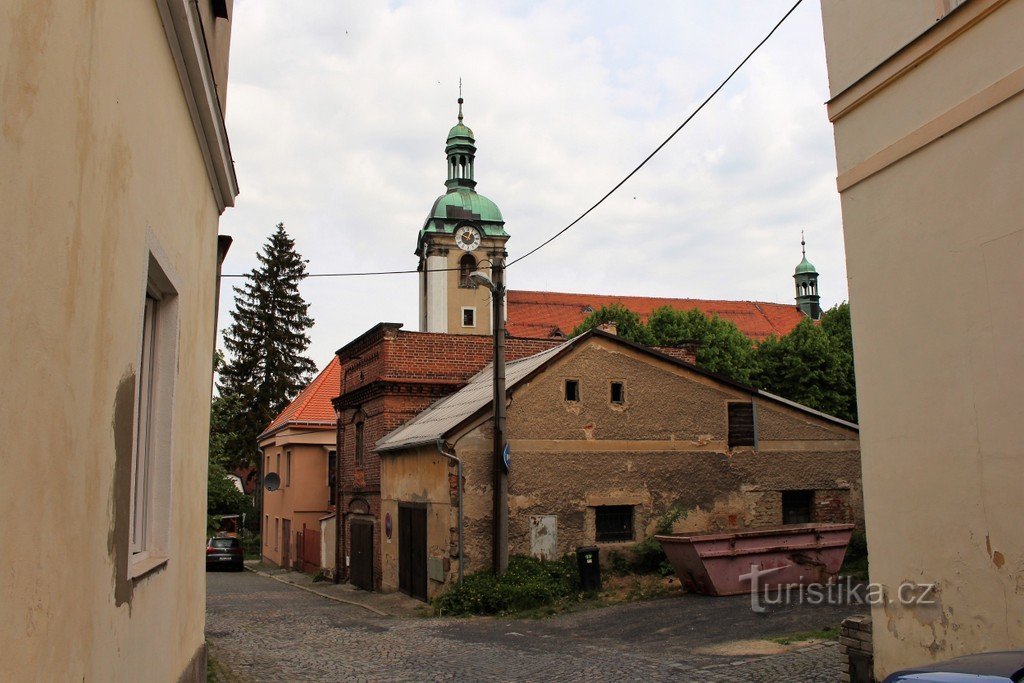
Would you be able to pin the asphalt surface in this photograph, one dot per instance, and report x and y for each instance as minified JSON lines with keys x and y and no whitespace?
{"x":262,"y":630}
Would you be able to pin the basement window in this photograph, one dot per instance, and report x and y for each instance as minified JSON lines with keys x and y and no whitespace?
{"x":618,"y":392}
{"x":572,"y":390}
{"x":742,"y":429}
{"x":797,"y":506}
{"x":613,"y":523}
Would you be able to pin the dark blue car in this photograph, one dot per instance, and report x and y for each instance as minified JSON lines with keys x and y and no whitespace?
{"x":987,"y":667}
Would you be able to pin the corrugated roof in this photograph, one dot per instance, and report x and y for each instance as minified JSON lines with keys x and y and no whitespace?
{"x":434,"y":422}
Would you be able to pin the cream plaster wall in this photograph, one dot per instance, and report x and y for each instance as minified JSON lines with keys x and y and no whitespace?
{"x":934,"y":248}
{"x":100,"y":164}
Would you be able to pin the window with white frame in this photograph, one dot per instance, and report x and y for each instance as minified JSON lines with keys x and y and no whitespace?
{"x":151,"y":458}
{"x":468,"y":316}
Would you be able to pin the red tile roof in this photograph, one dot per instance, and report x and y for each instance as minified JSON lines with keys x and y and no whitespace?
{"x":543,"y":314}
{"x":313,"y":404}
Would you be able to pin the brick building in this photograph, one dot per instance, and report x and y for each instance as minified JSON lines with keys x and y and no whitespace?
{"x":606,"y":437}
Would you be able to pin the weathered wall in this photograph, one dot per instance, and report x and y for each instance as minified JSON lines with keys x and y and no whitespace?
{"x":100,"y":165}
{"x":931,"y":164}
{"x":420,"y":477}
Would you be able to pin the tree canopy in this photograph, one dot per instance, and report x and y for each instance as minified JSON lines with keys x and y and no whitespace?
{"x":722,"y":349}
{"x":628,"y":324}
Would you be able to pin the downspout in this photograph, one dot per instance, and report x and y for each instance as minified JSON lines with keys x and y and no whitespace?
{"x":458,"y":474}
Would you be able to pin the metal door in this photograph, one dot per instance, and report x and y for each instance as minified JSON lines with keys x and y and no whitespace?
{"x":361,"y":563}
{"x":412,"y":551}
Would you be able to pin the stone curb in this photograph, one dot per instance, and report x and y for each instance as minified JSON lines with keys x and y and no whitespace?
{"x":322,"y":595}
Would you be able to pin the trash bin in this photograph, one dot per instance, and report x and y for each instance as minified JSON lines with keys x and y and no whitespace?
{"x":590,"y":568}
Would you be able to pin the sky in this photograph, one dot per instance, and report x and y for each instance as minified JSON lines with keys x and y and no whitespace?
{"x":337,"y":113}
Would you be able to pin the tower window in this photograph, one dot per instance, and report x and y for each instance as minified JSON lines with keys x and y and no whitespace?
{"x":572,"y":390}
{"x":618,"y":392}
{"x":468,"y":316}
{"x":467,"y":266}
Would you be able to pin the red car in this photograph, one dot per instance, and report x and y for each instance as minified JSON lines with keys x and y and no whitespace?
{"x":224,"y":552}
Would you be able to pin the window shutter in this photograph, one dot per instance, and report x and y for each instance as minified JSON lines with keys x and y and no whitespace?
{"x":741,"y":425}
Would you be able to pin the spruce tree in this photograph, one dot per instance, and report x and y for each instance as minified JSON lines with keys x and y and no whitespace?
{"x":266,"y":368}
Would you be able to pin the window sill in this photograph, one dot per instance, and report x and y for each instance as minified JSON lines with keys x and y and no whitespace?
{"x":144,"y":565}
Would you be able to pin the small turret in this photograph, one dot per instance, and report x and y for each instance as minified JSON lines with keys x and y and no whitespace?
{"x":806,"y":276}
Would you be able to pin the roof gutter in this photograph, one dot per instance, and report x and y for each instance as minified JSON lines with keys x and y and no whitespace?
{"x":458,"y":473}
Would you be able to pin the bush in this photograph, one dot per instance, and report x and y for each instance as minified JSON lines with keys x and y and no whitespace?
{"x":528,"y":584}
{"x":648,"y":555}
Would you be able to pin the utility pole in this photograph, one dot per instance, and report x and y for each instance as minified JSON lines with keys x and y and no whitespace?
{"x":500,"y":473}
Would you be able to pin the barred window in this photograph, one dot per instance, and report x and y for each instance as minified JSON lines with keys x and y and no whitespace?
{"x":613,"y":522}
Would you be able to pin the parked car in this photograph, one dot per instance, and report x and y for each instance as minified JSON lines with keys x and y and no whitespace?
{"x":224,"y":551}
{"x":987,"y":667}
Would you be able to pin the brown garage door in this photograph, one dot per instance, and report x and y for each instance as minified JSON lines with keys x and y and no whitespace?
{"x":362,"y":554}
{"x":412,"y":551}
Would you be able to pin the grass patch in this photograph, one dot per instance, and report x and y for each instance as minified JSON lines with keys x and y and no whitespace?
{"x":529,"y":587}
{"x":826,"y":633}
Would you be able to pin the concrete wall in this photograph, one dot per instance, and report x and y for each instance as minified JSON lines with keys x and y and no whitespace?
{"x":302,"y":500}
{"x":101,"y":168}
{"x":931,"y":162}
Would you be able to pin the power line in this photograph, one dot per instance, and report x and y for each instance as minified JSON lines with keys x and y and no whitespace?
{"x":666,"y":141}
{"x":607,"y":194}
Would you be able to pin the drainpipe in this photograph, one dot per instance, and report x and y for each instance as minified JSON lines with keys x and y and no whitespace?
{"x":458,"y":474}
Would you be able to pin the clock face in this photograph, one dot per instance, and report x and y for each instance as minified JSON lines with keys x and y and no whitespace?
{"x":467,"y":237}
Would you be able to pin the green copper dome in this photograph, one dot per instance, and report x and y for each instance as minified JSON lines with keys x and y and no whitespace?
{"x":805,"y":267}
{"x":465,"y":204}
{"x":460,"y":130}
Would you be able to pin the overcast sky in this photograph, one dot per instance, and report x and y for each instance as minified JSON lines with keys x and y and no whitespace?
{"x":338,"y":112}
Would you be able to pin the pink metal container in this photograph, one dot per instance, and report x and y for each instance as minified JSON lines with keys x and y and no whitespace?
{"x":713,"y":563}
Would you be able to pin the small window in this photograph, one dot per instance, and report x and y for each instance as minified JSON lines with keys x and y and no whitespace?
{"x":359,"y":443}
{"x":797,"y":507}
{"x":468,"y":316}
{"x":288,"y":469}
{"x":467,"y":266}
{"x":742,"y":430}
{"x":332,"y":473}
{"x":613,"y":523}
{"x":572,"y":390}
{"x":618,"y":392}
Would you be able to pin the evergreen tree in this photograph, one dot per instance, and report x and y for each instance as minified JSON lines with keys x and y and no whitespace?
{"x":266,"y":341}
{"x":722,"y":349}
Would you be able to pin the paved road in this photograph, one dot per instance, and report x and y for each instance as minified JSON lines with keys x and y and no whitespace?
{"x":263,"y":630}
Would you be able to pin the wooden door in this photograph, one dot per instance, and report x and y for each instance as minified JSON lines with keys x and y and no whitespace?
{"x":286,"y":547}
{"x":361,"y":564}
{"x":412,"y":551}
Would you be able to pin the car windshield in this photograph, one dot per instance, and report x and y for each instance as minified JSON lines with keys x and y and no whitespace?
{"x":224,"y":543}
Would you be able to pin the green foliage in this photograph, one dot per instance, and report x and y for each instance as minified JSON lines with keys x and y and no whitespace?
{"x":723,"y":349}
{"x":628,"y":324}
{"x":855,"y":563}
{"x":266,"y":341}
{"x":648,"y":557}
{"x":528,"y":584}
{"x":222,"y":496}
{"x":836,"y":323}
{"x":806,"y":366}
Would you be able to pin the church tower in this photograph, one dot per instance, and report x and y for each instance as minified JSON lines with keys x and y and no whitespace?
{"x":464,"y":232}
{"x":807,"y":286}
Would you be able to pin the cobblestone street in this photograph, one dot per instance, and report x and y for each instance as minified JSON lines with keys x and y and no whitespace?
{"x":262,"y":630}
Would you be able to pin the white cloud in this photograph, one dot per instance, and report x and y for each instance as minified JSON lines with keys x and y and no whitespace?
{"x":338,"y":114}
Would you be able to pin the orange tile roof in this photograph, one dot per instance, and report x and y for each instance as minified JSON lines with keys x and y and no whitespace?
{"x":543,"y":314}
{"x":313,"y":404}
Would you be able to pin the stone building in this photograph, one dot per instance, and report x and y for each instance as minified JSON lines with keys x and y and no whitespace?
{"x":928,"y":113}
{"x":606,"y":437}
{"x":116,"y":169}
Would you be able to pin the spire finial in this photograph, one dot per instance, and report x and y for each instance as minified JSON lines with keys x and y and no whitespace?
{"x":460,"y":100}
{"x":803,"y":247}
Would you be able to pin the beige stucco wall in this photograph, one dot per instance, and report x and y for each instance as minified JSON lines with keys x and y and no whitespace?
{"x":418,"y":476}
{"x":100,"y":165}
{"x":934,"y":248}
{"x":304,"y":497}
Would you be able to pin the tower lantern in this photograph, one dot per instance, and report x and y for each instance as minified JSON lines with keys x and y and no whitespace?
{"x":806,"y":277}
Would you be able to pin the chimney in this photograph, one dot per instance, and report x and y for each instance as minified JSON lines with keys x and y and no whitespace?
{"x":610,"y":328}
